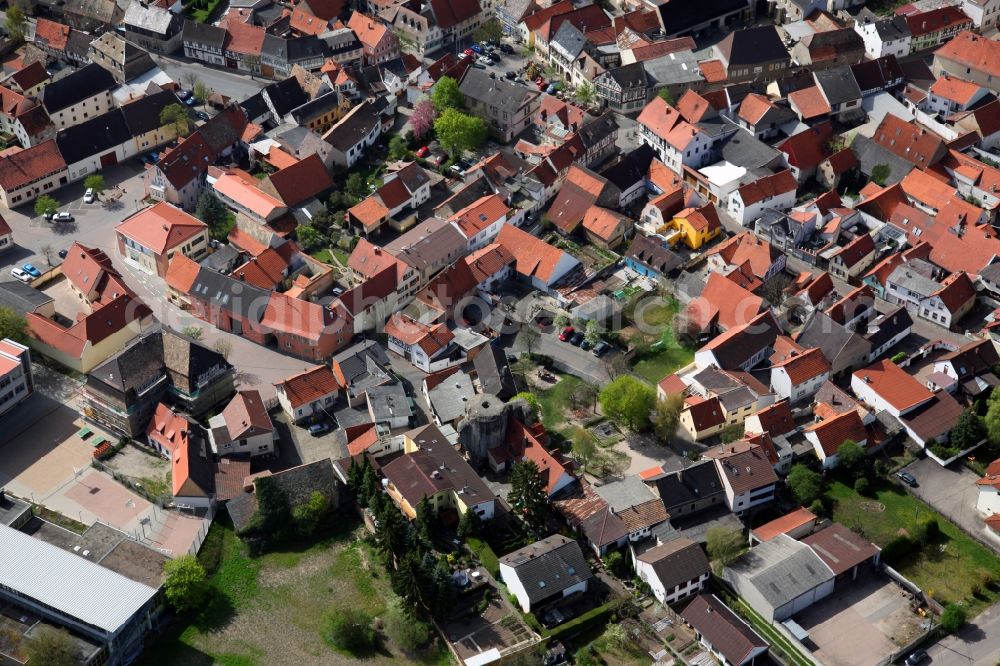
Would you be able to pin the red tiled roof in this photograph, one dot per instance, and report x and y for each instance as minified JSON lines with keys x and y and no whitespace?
{"x":910,"y":141}
{"x":936,"y":20}
{"x":161,"y":227}
{"x":311,"y":385}
{"x":480,"y":215}
{"x":745,"y":247}
{"x":956,"y":291}
{"x":368,"y":30}
{"x":713,"y":71}
{"x":363,"y":440}
{"x":370,"y":212}
{"x":368,"y":260}
{"x":488,"y":261}
{"x":306,"y":23}
{"x":835,"y":430}
{"x":805,"y":366}
{"x":52,"y":34}
{"x":30,"y":76}
{"x":266,"y":270}
{"x":723,"y":303}
{"x":246,"y":413}
{"x":955,"y":89}
{"x":603,"y":223}
{"x":809,"y":147}
{"x":776,"y":419}
{"x":667,"y":123}
{"x":706,"y":414}
{"x":535,"y":21}
{"x":244,"y":38}
{"x":784,"y":524}
{"x":293,"y":316}
{"x":723,"y":630}
{"x":661,"y":48}
{"x":972,"y":51}
{"x":181,"y":273}
{"x":167,"y":428}
{"x":30,"y":165}
{"x":768,"y":186}
{"x":300,"y":181}
{"x":893,"y":384}
{"x":533,"y":257}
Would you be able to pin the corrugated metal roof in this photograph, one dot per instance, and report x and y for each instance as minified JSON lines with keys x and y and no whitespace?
{"x":67,"y":582}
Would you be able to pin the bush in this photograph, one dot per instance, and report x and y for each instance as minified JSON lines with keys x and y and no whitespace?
{"x":898,"y":358}
{"x":408,"y":632}
{"x":861,"y":486}
{"x":927,"y":530}
{"x":952,"y":618}
{"x":818,"y":507}
{"x":899,"y":548}
{"x":350,"y":630}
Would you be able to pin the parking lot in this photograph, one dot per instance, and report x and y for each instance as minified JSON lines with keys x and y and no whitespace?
{"x":872,"y":610}
{"x":952,"y":491}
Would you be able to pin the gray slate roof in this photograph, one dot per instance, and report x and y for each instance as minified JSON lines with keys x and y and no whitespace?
{"x":501,"y":93}
{"x":781,"y":570}
{"x":676,"y":562}
{"x":870,"y":154}
{"x":838,"y":85}
{"x":548,"y":566}
{"x":22,"y":298}
{"x":133,"y":368}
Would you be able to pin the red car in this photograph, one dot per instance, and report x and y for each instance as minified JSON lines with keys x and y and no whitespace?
{"x":567,"y":333}
{"x":468,"y":52}
{"x":423,"y":151}
{"x":540,"y":82}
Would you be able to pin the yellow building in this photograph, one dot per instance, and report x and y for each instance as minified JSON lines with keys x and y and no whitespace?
{"x":692,"y":226}
{"x":432,"y":467}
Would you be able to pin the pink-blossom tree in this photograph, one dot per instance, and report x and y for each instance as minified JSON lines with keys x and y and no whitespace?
{"x":423,"y":118}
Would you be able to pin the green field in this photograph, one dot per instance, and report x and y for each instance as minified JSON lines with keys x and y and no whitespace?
{"x":950,"y":569}
{"x":270,"y":609}
{"x":664,"y":354}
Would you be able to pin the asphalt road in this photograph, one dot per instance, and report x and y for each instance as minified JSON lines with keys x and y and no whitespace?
{"x":235,"y":85}
{"x":976,"y":643}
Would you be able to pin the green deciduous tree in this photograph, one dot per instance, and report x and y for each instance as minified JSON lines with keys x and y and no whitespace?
{"x":731,"y":433}
{"x":51,"y":646}
{"x":446,"y":95}
{"x":310,"y":516}
{"x":527,"y":496}
{"x":992,"y":420}
{"x":214,"y":213}
{"x":459,"y":131}
{"x":176,"y":116}
{"x":201,"y":92}
{"x":46,"y":205}
{"x":13,"y":325}
{"x":968,"y":431}
{"x":851,"y":457}
{"x":398,"y":148}
{"x":880,"y":174}
{"x":489,"y":30}
{"x":193,"y":332}
{"x":667,"y":416}
{"x":665,"y":95}
{"x":94,"y":182}
{"x":628,"y":401}
{"x":350,"y":630}
{"x":532,"y":401}
{"x":185,"y":585}
{"x":274,"y":516}
{"x":355,"y":184}
{"x":310,"y":238}
{"x":616,"y":564}
{"x":16,"y":22}
{"x":952,"y":618}
{"x":593,"y":332}
{"x":584,"y":445}
{"x":584,"y":93}
{"x":806,"y":485}
{"x":724,"y":545}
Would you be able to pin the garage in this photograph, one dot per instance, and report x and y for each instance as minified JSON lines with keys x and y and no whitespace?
{"x":109,"y":159}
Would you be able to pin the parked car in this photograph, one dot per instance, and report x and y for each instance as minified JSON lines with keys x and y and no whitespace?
{"x":479,"y":65}
{"x":201,"y":115}
{"x":510,"y":75}
{"x":63,"y":253}
{"x":483,"y":60}
{"x":540,"y":83}
{"x":317,"y":429}
{"x":908,"y":479}
{"x":439,"y":159}
{"x":337,"y":291}
{"x":62,"y":217}
{"x":600,"y":349}
{"x":423,"y":151}
{"x":585,"y":345}
{"x":190,"y":101}
{"x":507,"y":48}
{"x":185,"y":94}
{"x":468,"y":52}
{"x":31,"y":270}
{"x":551,"y":89}
{"x":494,"y":58}
{"x":89,"y":196}
{"x":577,"y":339}
{"x":918,"y":657}
{"x":567,"y":333}
{"x":463,"y":56}
{"x":20,"y":275}
{"x":477,"y":49}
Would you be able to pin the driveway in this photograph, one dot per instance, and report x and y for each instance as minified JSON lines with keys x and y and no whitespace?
{"x":568,"y":358}
{"x":952,"y":492}
{"x":978,"y":642}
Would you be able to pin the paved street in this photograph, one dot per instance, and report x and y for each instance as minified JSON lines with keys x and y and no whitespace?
{"x":237,"y":86}
{"x":952,"y":491}
{"x":568,"y":358}
{"x":976,"y":643}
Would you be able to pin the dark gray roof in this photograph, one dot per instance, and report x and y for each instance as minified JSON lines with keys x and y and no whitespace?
{"x":363,"y":366}
{"x":628,"y":76}
{"x":689,"y":485}
{"x":254,"y":107}
{"x":596,"y":130}
{"x":493,"y":371}
{"x":132,"y":369}
{"x":888,"y":28}
{"x":676,"y":562}
{"x":503,"y":94}
{"x":838,"y":85}
{"x":832,"y":338}
{"x":569,"y":38}
{"x":82,"y":84}
{"x":653,"y":254}
{"x":631,"y":168}
{"x":91,"y":137}
{"x":879,"y":74}
{"x":188,"y":362}
{"x":143,"y":115}
{"x":870,"y":154}
{"x":680,"y":16}
{"x":353,"y":128}
{"x":745,"y":150}
{"x":780,"y":570}
{"x":222,"y":260}
{"x":203,"y":33}
{"x":751,"y":46}
{"x":887,"y":326}
{"x":316,"y":108}
{"x":22,"y":298}
{"x":388,"y":402}
{"x":548,"y":567}
{"x":285,"y":95}
{"x":293,"y":50}
{"x":297,"y":483}
{"x":230,"y":294}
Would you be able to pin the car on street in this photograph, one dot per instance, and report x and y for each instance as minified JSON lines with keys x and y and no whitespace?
{"x":907,"y":478}
{"x":62,"y":217}
{"x":494,"y":58}
{"x":468,"y":52}
{"x":551,"y":89}
{"x":463,"y":56}
{"x":479,"y":65}
{"x":190,"y":101}
{"x":540,"y":83}
{"x":577,"y":339}
{"x":477,"y":48}
{"x":439,"y":159}
{"x":31,"y":270}
{"x":483,"y":60}
{"x":600,"y":349}
{"x":918,"y":657}
{"x":88,"y":196}
{"x":63,"y":253}
{"x":511,"y":74}
{"x":201,"y":115}
{"x":585,"y":345}
{"x":18,"y":274}
{"x":185,"y":94}
{"x":423,"y":151}
{"x":567,"y":333}
{"x":507,"y":48}
{"x":317,"y":429}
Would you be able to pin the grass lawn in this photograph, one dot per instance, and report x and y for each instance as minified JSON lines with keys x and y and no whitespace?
{"x":270,"y":609}
{"x":612,"y":654}
{"x":323,"y":256}
{"x":947,"y":570}
{"x":665,"y":354}
{"x":555,"y":401}
{"x":342,"y":256}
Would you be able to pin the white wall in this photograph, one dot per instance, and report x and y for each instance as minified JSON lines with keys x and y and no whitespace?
{"x":988,"y":501}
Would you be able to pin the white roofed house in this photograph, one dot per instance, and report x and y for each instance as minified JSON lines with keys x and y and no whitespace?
{"x":545,"y":571}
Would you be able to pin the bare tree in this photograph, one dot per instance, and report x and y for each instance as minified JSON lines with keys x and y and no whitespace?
{"x":616,"y":365}
{"x":47,"y":251}
{"x":530,"y":337}
{"x":223,"y":347}
{"x":191,"y":79}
